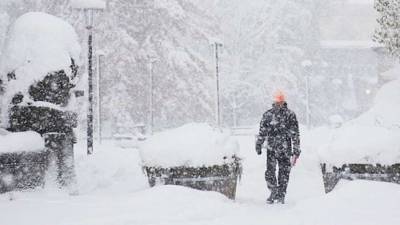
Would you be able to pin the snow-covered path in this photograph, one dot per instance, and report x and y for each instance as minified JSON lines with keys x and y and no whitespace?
{"x":305,"y":178}
{"x":113,"y":191}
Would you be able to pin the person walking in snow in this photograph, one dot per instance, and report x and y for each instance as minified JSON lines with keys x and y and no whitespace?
{"x":279,"y":127}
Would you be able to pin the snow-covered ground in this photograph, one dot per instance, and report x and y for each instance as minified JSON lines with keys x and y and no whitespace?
{"x":114,"y":191}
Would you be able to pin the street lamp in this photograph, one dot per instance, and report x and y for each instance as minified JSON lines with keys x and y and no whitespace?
{"x":99,"y":62}
{"x":151,"y":60}
{"x":89,"y":8}
{"x":217,"y":46}
{"x":307,"y":67}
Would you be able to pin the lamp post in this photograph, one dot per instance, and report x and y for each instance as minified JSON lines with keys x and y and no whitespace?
{"x":307,"y":66}
{"x":99,"y":57}
{"x":89,"y":8}
{"x":217,"y":47}
{"x":151,"y":60}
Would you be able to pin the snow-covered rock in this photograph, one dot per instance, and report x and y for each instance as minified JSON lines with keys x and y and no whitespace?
{"x":20,"y":142}
{"x":194,"y":144}
{"x":37,"y":44}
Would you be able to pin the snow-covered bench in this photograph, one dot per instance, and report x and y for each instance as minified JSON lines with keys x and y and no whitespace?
{"x":194,"y":155}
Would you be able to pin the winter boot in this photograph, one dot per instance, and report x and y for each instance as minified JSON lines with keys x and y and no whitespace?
{"x":272,"y":197}
{"x":280,"y":199}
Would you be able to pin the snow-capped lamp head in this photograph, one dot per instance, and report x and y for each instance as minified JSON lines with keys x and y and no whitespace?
{"x":279,"y":97}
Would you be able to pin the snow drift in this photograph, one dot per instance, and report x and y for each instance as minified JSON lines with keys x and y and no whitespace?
{"x":190,"y":145}
{"x":371,"y":138}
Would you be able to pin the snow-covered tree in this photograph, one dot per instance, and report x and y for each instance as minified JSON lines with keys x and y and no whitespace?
{"x":265,"y":43}
{"x":176,"y":32}
{"x":388,"y":32}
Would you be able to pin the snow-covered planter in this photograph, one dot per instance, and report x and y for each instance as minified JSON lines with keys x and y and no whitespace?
{"x":38,"y":70}
{"x":194,"y":155}
{"x":367,"y":147}
{"x":377,"y":172}
{"x":23,"y":160}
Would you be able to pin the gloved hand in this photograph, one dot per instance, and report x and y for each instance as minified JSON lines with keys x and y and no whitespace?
{"x":258,"y":149}
{"x":293,"y":160}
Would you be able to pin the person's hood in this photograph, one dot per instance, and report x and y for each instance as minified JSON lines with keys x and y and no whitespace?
{"x":277,"y":105}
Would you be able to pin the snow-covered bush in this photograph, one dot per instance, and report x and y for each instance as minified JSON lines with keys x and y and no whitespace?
{"x":38,"y":69}
{"x":38,"y":64}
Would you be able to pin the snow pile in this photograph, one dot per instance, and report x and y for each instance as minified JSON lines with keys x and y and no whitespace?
{"x":362,"y":144}
{"x":386,"y":109}
{"x":88,"y":4}
{"x":37,"y":44}
{"x":352,"y":203}
{"x":190,"y":145}
{"x":20,"y":142}
{"x":371,"y":138}
{"x":110,"y":168}
{"x":391,"y":74}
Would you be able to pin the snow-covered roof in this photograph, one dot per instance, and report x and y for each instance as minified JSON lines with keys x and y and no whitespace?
{"x":190,"y":145}
{"x":20,"y":142}
{"x":88,"y":4}
{"x":37,"y":43}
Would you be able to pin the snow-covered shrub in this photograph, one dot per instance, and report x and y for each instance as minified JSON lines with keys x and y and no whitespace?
{"x":38,"y":64}
{"x":38,"y":69}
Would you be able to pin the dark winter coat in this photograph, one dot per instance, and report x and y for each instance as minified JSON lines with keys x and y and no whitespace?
{"x":280,"y":128}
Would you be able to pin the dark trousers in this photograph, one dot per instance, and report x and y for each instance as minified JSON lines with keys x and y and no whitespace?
{"x":278,"y":185}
